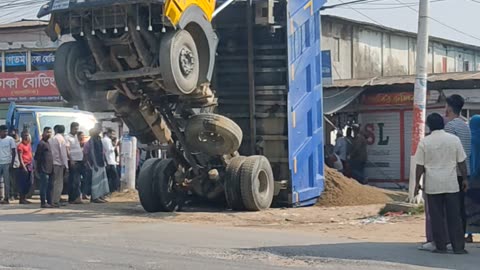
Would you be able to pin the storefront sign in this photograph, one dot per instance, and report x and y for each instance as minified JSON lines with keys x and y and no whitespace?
{"x":28,"y":86}
{"x":381,"y":99}
{"x":42,"y":58}
{"x":15,"y":59}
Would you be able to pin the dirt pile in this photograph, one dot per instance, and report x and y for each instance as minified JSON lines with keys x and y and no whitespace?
{"x":343,"y":191}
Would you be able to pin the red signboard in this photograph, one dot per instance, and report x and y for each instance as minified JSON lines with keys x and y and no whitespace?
{"x":380,"y":99}
{"x":28,"y":86}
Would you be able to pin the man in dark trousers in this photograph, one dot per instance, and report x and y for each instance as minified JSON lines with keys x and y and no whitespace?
{"x":358,"y":155}
{"x":75,"y":164}
{"x":438,"y":156}
{"x":459,"y":127}
{"x":44,"y":168}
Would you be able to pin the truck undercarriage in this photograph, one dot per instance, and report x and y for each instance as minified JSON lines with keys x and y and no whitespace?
{"x":152,"y":61}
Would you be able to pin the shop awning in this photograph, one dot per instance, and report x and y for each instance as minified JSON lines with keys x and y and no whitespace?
{"x":337,"y":99}
{"x":470,"y":95}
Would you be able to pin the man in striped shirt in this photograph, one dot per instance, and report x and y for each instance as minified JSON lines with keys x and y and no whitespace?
{"x":458,"y":126}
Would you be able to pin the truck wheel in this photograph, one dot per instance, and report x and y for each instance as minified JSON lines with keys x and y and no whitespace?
{"x":232,"y":184}
{"x":179,"y":62}
{"x":73,"y":61}
{"x":60,"y":72}
{"x":170,"y":199}
{"x":212,"y":134}
{"x":256,"y":183}
{"x":147,"y":186}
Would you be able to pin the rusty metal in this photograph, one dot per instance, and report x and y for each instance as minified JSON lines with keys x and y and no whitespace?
{"x":155,"y":120}
{"x":129,"y":74}
{"x":142,"y":51}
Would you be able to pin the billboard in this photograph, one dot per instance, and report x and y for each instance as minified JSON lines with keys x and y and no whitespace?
{"x":28,"y":86}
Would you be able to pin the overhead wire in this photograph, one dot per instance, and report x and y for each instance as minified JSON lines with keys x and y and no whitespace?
{"x":444,"y":24}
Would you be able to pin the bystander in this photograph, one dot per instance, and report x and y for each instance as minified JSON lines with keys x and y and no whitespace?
{"x":44,"y":168}
{"x":58,"y":147}
{"x":8,"y":151}
{"x":75,"y":166}
{"x":437,"y":158}
{"x":24,"y":173}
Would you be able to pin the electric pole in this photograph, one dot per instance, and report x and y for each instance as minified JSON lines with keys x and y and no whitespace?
{"x":420,"y":92}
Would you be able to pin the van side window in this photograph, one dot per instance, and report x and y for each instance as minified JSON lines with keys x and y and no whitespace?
{"x":26,"y":120}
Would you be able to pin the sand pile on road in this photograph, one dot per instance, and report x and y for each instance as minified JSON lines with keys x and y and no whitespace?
{"x":343,"y":191}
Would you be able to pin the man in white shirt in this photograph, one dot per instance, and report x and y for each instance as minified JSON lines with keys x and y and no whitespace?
{"x":58,"y":146}
{"x":7,"y":158}
{"x":109,"y":150}
{"x":437,"y":157}
{"x":75,"y":164}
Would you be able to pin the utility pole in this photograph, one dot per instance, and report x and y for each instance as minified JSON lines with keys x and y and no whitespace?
{"x":420,"y":93}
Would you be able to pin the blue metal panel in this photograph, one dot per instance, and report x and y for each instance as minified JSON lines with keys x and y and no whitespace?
{"x":305,"y":117}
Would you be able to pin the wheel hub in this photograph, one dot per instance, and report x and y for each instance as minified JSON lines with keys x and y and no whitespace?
{"x":187,"y":61}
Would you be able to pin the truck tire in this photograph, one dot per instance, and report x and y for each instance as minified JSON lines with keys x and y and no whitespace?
{"x":212,"y":134}
{"x":147,"y":188}
{"x":72,"y":63}
{"x":179,"y":65}
{"x":256,"y":183}
{"x":232,"y":184}
{"x":60,"y":72}
{"x":170,"y":199}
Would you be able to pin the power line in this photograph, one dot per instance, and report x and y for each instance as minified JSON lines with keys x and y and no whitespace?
{"x":389,"y":6}
{"x":348,"y":3}
{"x":363,"y":14}
{"x":444,"y":24}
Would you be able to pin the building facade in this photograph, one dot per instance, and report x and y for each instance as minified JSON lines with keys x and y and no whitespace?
{"x":362,"y":50}
{"x":26,"y":65}
{"x":373,"y":71}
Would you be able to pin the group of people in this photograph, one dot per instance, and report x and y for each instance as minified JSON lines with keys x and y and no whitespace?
{"x":448,"y":159}
{"x":62,"y":163}
{"x":349,"y":155}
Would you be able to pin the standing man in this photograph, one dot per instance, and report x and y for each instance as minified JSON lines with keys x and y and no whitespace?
{"x":460,"y":128}
{"x":109,"y":150}
{"x":341,"y":147}
{"x":8,"y":150}
{"x":358,"y":155}
{"x":75,"y":164}
{"x":24,"y":174}
{"x":58,"y":145}
{"x":44,"y":168}
{"x":438,"y":156}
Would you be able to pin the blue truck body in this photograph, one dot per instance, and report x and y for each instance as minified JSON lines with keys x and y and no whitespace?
{"x":269,"y":81}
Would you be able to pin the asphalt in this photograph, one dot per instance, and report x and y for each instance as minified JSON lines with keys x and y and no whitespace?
{"x":37,"y":239}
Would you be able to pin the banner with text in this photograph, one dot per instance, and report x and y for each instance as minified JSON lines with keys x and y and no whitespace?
{"x":28,"y":86}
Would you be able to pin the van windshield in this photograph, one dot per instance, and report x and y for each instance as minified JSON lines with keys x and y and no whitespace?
{"x":86,"y":121}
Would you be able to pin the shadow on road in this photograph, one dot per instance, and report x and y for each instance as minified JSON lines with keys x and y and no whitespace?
{"x":403,"y":253}
{"x":32,"y":212}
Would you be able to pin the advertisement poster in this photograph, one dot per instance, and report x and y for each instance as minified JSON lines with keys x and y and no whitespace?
{"x":28,"y":86}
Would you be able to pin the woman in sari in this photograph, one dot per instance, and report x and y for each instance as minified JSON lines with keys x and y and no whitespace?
{"x":95,"y":158}
{"x":472,"y":198}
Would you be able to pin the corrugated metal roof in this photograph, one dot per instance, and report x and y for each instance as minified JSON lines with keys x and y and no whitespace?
{"x":397,"y":80}
{"x":24,"y":23}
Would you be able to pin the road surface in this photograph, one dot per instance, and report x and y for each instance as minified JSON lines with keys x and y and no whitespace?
{"x":32,"y":238}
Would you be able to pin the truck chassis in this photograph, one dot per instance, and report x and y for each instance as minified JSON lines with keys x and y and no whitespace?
{"x":154,"y":66}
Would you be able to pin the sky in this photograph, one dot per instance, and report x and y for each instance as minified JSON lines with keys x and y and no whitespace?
{"x":450,"y":19}
{"x":458,"y":16}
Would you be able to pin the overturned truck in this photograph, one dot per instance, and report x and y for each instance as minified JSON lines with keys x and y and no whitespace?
{"x":154,"y":62}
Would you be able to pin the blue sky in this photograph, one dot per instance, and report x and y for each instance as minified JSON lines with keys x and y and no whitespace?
{"x":458,"y":14}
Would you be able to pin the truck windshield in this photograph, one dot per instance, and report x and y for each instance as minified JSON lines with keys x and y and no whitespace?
{"x":86,"y":121}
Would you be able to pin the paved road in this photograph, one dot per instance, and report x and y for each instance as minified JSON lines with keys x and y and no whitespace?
{"x":35,"y":239}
